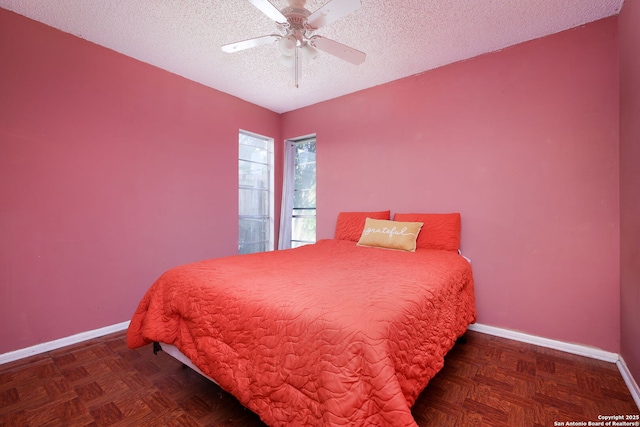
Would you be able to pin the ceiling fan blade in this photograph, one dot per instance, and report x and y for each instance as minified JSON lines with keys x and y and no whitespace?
{"x":247,"y":44}
{"x":270,"y":10}
{"x":347,"y":53}
{"x":332,"y":11}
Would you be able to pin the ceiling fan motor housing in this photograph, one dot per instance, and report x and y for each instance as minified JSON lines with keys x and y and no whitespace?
{"x":296,"y":17}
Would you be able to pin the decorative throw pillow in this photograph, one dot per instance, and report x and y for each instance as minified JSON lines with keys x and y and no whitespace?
{"x":390,"y":234}
{"x":350,"y":224}
{"x":440,"y":231}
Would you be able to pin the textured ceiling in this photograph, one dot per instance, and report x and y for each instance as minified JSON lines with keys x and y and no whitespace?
{"x":400,"y":38}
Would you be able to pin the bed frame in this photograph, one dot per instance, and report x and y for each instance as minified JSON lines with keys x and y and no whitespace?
{"x":173,"y":351}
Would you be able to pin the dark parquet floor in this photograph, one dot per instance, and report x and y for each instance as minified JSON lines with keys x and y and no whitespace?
{"x":488,"y":381}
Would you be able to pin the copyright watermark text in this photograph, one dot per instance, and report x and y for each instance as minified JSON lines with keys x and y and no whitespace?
{"x":605,"y":421}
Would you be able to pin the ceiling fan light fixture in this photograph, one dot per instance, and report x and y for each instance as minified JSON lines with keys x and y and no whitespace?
{"x":287,"y":45}
{"x":288,"y":61}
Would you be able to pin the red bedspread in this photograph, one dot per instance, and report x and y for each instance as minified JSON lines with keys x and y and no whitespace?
{"x":329,"y":334}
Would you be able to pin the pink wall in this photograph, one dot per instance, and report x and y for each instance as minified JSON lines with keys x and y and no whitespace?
{"x":522,"y":142}
{"x":629,"y":23}
{"x":111,"y":171}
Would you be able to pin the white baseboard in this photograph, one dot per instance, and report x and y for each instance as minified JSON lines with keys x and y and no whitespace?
{"x":632,"y":385}
{"x":580,"y":350}
{"x":62,"y":342}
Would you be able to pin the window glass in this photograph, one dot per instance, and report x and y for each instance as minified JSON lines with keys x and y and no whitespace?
{"x":303,"y":221}
{"x":255,"y":197}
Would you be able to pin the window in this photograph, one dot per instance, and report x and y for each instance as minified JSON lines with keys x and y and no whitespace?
{"x":255,"y":207}
{"x":303,"y":215}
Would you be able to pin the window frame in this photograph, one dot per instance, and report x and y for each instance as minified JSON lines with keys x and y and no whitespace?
{"x":298,"y":242}
{"x":270,"y":217}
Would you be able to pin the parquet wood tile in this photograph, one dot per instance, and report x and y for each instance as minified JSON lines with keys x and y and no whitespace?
{"x":488,"y":381}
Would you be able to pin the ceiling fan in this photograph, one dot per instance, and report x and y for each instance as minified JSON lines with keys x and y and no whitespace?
{"x":296,"y":26}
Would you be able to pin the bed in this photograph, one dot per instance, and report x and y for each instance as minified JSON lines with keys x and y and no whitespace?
{"x":331,"y":334}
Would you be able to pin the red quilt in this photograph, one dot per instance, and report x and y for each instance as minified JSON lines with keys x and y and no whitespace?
{"x":329,"y":334}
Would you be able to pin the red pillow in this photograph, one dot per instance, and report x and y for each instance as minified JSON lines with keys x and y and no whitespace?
{"x":439,"y":231}
{"x":351,"y":224}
